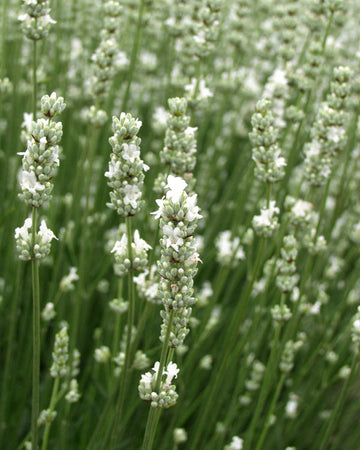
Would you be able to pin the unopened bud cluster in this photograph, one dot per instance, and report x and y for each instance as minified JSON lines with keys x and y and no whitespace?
{"x":107,"y":54}
{"x":267,"y":222}
{"x":138,"y":261}
{"x":73,"y":394}
{"x":166,"y":395}
{"x":303,"y":220}
{"x":288,"y":355}
{"x":94,"y":116}
{"x":126,"y":168}
{"x":60,"y":368}
{"x":204,"y":31}
{"x":253,"y":383}
{"x":46,"y":416}
{"x":26,"y":248}
{"x":269,"y":164}
{"x":41,"y":158}
{"x":328,"y":132}
{"x":179,"y":151}
{"x":177,"y":266}
{"x":286,"y":278}
{"x":36,"y":20}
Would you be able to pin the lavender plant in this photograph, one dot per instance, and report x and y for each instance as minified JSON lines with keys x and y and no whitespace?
{"x":232,"y":326}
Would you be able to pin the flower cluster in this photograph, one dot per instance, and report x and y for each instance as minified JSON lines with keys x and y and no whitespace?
{"x":200,"y":41}
{"x":167,"y":395}
{"x":253,"y":383}
{"x":267,"y":222}
{"x":148,"y":285}
{"x":46,"y":416}
{"x":266,"y":152}
{"x":179,"y":151}
{"x":288,"y":355}
{"x":178,"y":215}
{"x":286,"y":278}
{"x":303,"y":221}
{"x":277,"y":90}
{"x":48,"y":313}
{"x":67,"y":282}
{"x":229,"y":250}
{"x":6,"y":87}
{"x":235,"y":444}
{"x":60,"y":368}
{"x":26,"y":248}
{"x":126,"y":168}
{"x":36,"y":20}
{"x":107,"y":56}
{"x":41,"y":158}
{"x":94,"y":116}
{"x":328,"y":134}
{"x":139,"y":247}
{"x":73,"y":394}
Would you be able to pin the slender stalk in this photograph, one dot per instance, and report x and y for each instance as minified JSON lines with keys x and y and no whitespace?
{"x":128,"y":356}
{"x":339,"y":404}
{"x":154,"y":415}
{"x":3,"y":38}
{"x":36,"y":340}
{"x":265,"y":386}
{"x":230,"y":337}
{"x":116,"y":337}
{"x":270,"y":412}
{"x":34,"y":93}
{"x":51,"y":408}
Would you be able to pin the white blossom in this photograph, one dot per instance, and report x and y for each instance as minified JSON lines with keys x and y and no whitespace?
{"x":132,"y":194}
{"x":23,"y":231}
{"x":174,"y":238}
{"x":45,"y":233}
{"x":140,"y":244}
{"x":176,"y":187}
{"x":28,"y":182}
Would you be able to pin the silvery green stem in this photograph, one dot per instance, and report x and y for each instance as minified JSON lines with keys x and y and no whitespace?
{"x":51,"y":408}
{"x":266,"y":384}
{"x":270,"y":412}
{"x":36,"y":341}
{"x":154,"y":413}
{"x":339,"y":404}
{"x":3,"y":37}
{"x":128,"y":356}
{"x":34,"y":79}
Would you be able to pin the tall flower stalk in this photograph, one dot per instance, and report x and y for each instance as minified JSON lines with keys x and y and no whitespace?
{"x":177,"y":267}
{"x":126,"y":178}
{"x":39,"y":165}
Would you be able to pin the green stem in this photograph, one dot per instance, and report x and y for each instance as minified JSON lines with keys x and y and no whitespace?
{"x":3,"y":38}
{"x":154,"y":414}
{"x":116,"y":337}
{"x":134,"y":54}
{"x":266,"y":384}
{"x":34,"y":80}
{"x":128,"y":356}
{"x":51,"y":408}
{"x":326,"y":35}
{"x":270,"y":412}
{"x":36,"y":341}
{"x":339,"y":404}
{"x":227,"y":347}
